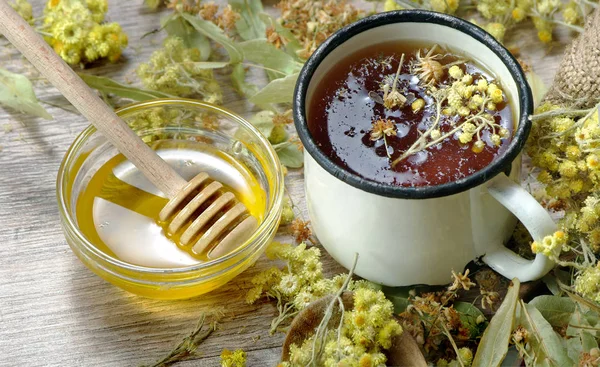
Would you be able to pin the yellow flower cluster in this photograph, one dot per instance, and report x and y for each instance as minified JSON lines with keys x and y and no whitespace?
{"x":76,"y":31}
{"x":367,"y":330}
{"x":299,"y":283}
{"x":567,"y":150}
{"x":474,"y":100}
{"x":175,"y":69}
{"x":551,"y":246}
{"x":233,"y":359}
{"x":588,"y":283}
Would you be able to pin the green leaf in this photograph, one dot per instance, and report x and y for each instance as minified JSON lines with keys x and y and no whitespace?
{"x":545,"y":346}
{"x":290,"y":154}
{"x":263,"y":121}
{"x":179,"y":27}
{"x":494,"y":342}
{"x":261,"y":52}
{"x":216,"y":34}
{"x":107,"y":85}
{"x":16,"y":92}
{"x":469,"y":315}
{"x":556,"y":310}
{"x":249,"y":26}
{"x":277,"y":91}
{"x":293,"y":45}
{"x":238,"y":79}
{"x":400,"y":303}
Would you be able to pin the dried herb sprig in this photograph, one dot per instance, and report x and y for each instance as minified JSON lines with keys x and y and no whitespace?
{"x":188,"y":346}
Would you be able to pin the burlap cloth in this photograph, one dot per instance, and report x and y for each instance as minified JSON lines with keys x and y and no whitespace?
{"x":577,"y":82}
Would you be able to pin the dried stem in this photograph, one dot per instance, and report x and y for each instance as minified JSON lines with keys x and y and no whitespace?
{"x":188,"y":345}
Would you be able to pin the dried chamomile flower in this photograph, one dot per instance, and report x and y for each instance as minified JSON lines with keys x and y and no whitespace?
{"x":427,"y":68}
{"x":233,"y":359}
{"x":174,"y":69}
{"x":76,"y":31}
{"x":311,"y":22}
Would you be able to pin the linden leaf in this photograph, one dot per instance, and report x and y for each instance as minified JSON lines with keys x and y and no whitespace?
{"x":277,"y":91}
{"x":216,"y":34}
{"x":293,"y":45}
{"x":556,"y":310}
{"x":261,"y":52}
{"x":238,"y":79}
{"x":16,"y":92}
{"x":469,"y":315}
{"x":179,"y":27}
{"x":494,"y":342}
{"x":545,"y":346}
{"x":249,"y":26}
{"x":576,"y":330}
{"x":290,"y":154}
{"x":107,"y":85}
{"x":263,"y":121}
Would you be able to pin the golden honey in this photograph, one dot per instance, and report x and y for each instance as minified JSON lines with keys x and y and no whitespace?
{"x":118,"y":209}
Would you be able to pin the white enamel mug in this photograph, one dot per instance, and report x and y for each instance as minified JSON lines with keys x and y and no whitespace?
{"x":417,"y":235}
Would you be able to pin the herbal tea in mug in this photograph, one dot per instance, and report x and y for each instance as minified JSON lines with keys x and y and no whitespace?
{"x":413,"y":123}
{"x":410,"y":114}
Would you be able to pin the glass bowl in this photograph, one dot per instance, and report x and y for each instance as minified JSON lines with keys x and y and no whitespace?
{"x":182,"y":120}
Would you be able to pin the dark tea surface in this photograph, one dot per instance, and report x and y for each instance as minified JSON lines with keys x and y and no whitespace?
{"x":449,"y":120}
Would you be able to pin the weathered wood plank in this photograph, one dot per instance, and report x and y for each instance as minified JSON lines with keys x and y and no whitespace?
{"x":53,"y":311}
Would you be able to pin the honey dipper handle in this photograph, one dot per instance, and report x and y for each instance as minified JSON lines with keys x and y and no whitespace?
{"x":41,"y":55}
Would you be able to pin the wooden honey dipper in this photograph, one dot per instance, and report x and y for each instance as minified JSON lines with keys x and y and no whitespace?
{"x":233,"y":227}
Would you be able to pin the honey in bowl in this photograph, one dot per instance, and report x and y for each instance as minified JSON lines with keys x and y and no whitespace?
{"x":118,"y":210}
{"x":410,"y":114}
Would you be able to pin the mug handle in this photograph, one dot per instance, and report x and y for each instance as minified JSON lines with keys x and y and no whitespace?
{"x":537,"y":221}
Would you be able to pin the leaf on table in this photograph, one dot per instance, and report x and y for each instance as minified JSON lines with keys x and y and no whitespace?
{"x":545,"y":347}
{"x":277,"y":91}
{"x":175,"y":25}
{"x":216,"y":34}
{"x":494,"y":342}
{"x":293,"y":45}
{"x":469,"y":315}
{"x":249,"y":26}
{"x":261,"y":52}
{"x":290,"y":154}
{"x":107,"y":85}
{"x":17,"y":92}
{"x":538,"y":88}
{"x":263,"y":121}
{"x":238,"y":80}
{"x":555,"y":309}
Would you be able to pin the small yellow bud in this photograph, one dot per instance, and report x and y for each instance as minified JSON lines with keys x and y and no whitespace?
{"x":417,"y":105}
{"x":482,"y":85}
{"x":496,"y":139}
{"x":478,"y":146}
{"x":491,"y":106}
{"x":455,"y":72}
{"x":448,"y":111}
{"x":545,"y":36}
{"x":435,"y":134}
{"x":464,"y":111}
{"x":467,"y":79}
{"x":518,"y":14}
{"x":593,"y":162}
{"x":503,"y":132}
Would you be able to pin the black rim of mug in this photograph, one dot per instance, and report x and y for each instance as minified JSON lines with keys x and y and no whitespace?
{"x":423,"y":192}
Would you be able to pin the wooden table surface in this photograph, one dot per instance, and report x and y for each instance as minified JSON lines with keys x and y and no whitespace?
{"x":53,"y":310}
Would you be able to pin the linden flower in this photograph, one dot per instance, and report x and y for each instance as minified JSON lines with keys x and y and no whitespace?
{"x":427,"y":68}
{"x":588,"y":283}
{"x":233,"y":359}
{"x":381,"y":128}
{"x":394,"y":99}
{"x":550,"y":246}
